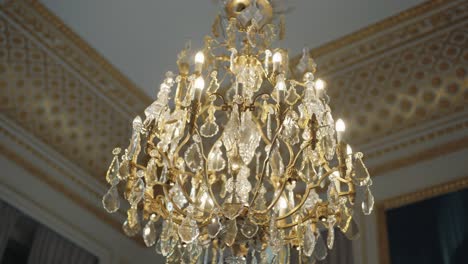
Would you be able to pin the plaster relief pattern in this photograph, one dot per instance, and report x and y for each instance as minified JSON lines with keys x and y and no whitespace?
{"x":47,"y":99}
{"x":405,"y":87}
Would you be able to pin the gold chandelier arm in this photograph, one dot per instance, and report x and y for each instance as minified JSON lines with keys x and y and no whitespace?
{"x":306,"y":195}
{"x":187,"y":196}
{"x":283,"y":185}
{"x":265,"y":162}
{"x":205,"y":174}
{"x":262,"y":175}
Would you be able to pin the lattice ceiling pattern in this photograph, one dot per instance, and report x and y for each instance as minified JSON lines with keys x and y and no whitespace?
{"x":404,"y":88}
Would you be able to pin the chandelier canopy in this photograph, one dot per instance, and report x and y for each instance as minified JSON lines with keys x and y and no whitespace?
{"x":239,"y":158}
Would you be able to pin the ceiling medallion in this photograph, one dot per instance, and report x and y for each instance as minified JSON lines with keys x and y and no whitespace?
{"x":236,"y":161}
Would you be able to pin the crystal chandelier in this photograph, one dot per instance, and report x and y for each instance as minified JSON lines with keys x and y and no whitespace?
{"x":239,"y":158}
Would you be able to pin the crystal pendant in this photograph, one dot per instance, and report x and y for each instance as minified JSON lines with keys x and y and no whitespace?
{"x":131,"y":230}
{"x":232,"y":210}
{"x":134,"y":147}
{"x":368,"y":202}
{"x":193,"y":158}
{"x":249,"y":138}
{"x":221,"y":256}
{"x":112,"y":175}
{"x":149,"y":234}
{"x":320,"y":251}
{"x":177,"y":196}
{"x":231,"y":130}
{"x":309,"y":241}
{"x":328,"y":145}
{"x":151,"y":175}
{"x":253,"y":258}
{"x":157,"y":248}
{"x":231,"y":232}
{"x":249,"y":229}
{"x":291,"y":129}
{"x":168,"y":238}
{"x":136,"y":192}
{"x":216,"y":161}
{"x":235,"y":260}
{"x":361,"y":174}
{"x":276,"y":163}
{"x":292,"y":97}
{"x":111,"y":200}
{"x":210,"y":128}
{"x":124,"y":170}
{"x":188,"y":230}
{"x":214,"y":227}
{"x":330,"y":237}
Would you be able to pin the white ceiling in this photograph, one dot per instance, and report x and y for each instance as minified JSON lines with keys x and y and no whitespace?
{"x":142,"y":37}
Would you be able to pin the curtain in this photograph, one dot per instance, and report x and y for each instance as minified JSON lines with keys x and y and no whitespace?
{"x":452,"y":230}
{"x":7,"y":225}
{"x":50,"y":248}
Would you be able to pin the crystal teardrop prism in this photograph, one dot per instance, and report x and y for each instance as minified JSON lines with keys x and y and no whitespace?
{"x":193,"y":158}
{"x":216,"y":161}
{"x":320,"y":251}
{"x":111,"y":200}
{"x":124,"y":170}
{"x":231,"y":232}
{"x":188,"y":230}
{"x":368,"y":202}
{"x":112,"y":175}
{"x":168,"y":238}
{"x":249,"y":229}
{"x":330,"y":237}
{"x":151,"y":175}
{"x":131,"y":230}
{"x":214,"y":227}
{"x":149,"y":234}
{"x":309,"y":241}
{"x":249,"y":138}
{"x":361,"y":174}
{"x":136,"y":192}
{"x":209,"y":128}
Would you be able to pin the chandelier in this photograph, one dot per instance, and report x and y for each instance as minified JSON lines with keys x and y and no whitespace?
{"x":239,"y":159}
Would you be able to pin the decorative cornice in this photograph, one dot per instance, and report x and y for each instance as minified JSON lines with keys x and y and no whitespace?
{"x":58,"y":38}
{"x":407,"y":199}
{"x":420,"y":156}
{"x":378,"y":27}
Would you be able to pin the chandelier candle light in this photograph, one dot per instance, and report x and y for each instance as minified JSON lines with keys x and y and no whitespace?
{"x":239,"y":159}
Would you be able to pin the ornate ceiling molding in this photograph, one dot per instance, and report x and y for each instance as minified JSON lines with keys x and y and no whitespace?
{"x":401,"y":77}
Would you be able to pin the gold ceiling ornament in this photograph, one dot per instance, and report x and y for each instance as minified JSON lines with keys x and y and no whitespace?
{"x":235,"y":161}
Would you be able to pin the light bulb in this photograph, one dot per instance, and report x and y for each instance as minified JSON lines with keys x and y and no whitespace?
{"x":340,"y":125}
{"x":277,"y":57}
{"x":199,"y":57}
{"x":199,"y":83}
{"x":319,"y":84}
{"x":349,"y":150}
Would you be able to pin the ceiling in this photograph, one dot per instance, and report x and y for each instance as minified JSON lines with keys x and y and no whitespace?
{"x":142,"y":38}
